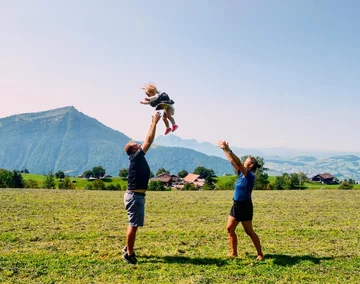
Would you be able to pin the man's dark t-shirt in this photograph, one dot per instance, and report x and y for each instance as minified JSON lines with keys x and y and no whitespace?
{"x":139,"y":171}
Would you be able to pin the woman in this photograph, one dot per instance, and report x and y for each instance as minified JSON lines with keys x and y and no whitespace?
{"x":242,"y":209}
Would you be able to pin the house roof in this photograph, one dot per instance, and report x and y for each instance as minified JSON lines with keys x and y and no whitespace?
{"x":326,"y":175}
{"x":161,"y":178}
{"x":191,"y":177}
{"x":163,"y":174}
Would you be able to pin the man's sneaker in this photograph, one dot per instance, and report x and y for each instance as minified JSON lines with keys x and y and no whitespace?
{"x":131,"y":259}
{"x":124,"y":249}
{"x":174,"y":127}
{"x":167,"y":131}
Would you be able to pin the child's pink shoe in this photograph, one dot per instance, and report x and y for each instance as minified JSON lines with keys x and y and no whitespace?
{"x":174,"y":127}
{"x":167,"y":131}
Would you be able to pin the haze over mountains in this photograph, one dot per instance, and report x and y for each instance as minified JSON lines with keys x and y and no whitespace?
{"x":68,"y":140}
{"x":280,"y":160}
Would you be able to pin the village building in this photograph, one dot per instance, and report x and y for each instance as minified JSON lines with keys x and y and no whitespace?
{"x":166,"y":178}
{"x":325,"y":178}
{"x":194,"y":179}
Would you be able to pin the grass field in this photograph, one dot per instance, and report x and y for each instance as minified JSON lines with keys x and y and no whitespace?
{"x":76,"y":236}
{"x":80,"y":183}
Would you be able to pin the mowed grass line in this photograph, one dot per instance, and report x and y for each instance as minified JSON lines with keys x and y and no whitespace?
{"x":71,"y":236}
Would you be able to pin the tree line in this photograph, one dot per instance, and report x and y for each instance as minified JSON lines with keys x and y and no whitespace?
{"x":14,"y":179}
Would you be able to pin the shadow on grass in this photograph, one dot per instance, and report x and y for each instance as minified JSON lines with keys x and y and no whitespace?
{"x":289,"y":260}
{"x":184,"y":259}
{"x":279,"y":259}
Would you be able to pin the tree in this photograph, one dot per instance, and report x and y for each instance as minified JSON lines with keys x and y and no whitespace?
{"x":286,"y":181}
{"x":59,"y":174}
{"x":261,"y":180}
{"x":124,"y":173}
{"x":209,"y":183}
{"x":31,"y":183}
{"x":208,"y":186}
{"x":98,"y":172}
{"x":207,"y":174}
{"x":66,"y":183}
{"x":88,"y":174}
{"x":156,"y":186}
{"x":17,"y":181}
{"x":302,"y":178}
{"x":162,"y":170}
{"x":26,"y":171}
{"x":151,"y":174}
{"x":279,"y":183}
{"x":295,"y":181}
{"x":292,"y":181}
{"x":99,"y":185}
{"x":190,"y":186}
{"x":49,"y":181}
{"x":182,"y":174}
{"x":204,"y":172}
{"x":6,"y":178}
{"x":345,"y":185}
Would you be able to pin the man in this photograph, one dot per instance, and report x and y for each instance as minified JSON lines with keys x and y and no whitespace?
{"x":138,"y":179}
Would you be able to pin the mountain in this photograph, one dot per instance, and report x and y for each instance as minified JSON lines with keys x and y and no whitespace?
{"x":60,"y":139}
{"x":68,"y":140}
{"x":281,"y":160}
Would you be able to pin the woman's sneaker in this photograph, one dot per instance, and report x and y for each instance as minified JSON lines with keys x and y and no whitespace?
{"x":131,"y":259}
{"x":167,"y":131}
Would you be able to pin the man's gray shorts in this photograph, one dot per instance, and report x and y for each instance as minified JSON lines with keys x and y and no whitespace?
{"x":135,"y":208}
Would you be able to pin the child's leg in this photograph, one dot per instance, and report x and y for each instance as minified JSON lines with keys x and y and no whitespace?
{"x":165,"y":119}
{"x":169,"y":113}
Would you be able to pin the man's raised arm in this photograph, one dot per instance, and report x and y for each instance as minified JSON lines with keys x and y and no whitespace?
{"x":151,"y":134}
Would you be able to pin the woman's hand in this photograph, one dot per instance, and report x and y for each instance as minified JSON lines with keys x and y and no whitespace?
{"x":223,"y":145}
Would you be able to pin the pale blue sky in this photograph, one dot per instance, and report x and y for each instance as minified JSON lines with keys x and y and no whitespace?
{"x":256,"y":73}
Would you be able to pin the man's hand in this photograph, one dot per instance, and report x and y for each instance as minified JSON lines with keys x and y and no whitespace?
{"x":156,"y":117}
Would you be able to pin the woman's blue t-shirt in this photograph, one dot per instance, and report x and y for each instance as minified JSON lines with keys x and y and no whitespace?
{"x":244,"y":186}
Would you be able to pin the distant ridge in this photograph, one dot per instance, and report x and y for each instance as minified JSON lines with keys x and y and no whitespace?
{"x":68,"y":140}
{"x":280,"y":159}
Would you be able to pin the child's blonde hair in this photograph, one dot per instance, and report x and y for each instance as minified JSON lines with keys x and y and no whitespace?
{"x":150,"y":89}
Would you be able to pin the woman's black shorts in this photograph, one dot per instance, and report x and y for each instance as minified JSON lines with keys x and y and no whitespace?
{"x":242,"y":210}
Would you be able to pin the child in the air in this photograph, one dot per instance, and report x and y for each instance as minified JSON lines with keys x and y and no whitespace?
{"x":161,"y":101}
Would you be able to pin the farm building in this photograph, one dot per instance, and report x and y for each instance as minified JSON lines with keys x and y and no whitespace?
{"x":194,"y":179}
{"x":165,"y":178}
{"x":324,"y":178}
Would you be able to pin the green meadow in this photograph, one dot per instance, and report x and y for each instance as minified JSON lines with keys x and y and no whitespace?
{"x":80,"y":183}
{"x":76,"y":236}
